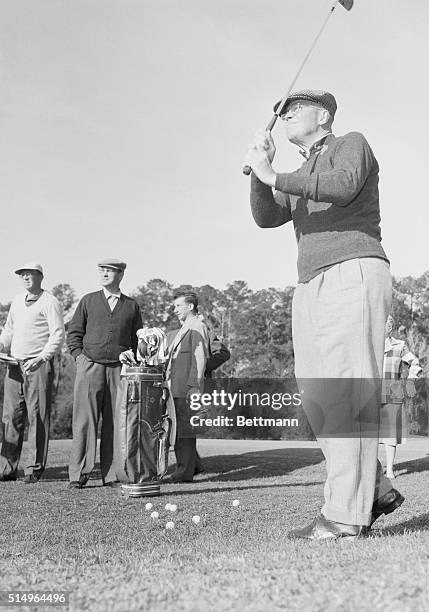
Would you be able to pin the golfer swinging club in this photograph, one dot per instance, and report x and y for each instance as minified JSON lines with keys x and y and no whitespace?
{"x":342,"y":300}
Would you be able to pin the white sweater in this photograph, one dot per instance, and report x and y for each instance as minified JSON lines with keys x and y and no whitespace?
{"x":34,"y":330}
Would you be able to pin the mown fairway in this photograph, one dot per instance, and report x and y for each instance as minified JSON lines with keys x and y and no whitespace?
{"x":110,"y":555}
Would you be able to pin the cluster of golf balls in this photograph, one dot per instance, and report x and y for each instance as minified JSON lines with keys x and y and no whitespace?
{"x":169,"y":508}
{"x":173,"y":508}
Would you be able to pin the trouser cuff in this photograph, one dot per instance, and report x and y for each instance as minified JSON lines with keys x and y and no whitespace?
{"x":346,"y":518}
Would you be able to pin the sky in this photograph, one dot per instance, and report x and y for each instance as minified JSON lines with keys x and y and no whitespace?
{"x":124,"y":125}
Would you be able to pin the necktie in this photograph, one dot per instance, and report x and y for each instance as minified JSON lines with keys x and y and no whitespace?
{"x":113,"y":300}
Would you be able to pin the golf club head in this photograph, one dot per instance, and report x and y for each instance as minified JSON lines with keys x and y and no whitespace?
{"x":346,"y":3}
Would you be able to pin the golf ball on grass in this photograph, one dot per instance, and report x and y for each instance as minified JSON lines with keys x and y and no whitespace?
{"x":169,"y":525}
{"x":235,"y":503}
{"x":167,"y":506}
{"x":173,"y":507}
{"x":196,"y":519}
{"x":149,"y":506}
{"x":154,"y":515}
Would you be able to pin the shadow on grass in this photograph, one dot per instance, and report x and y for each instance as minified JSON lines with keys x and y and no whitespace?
{"x":259,"y":464}
{"x":193,"y":490}
{"x":416,"y":465}
{"x":417,"y":523}
{"x":61,"y":472}
{"x":224,"y":468}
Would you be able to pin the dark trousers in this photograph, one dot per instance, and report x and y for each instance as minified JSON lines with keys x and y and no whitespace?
{"x":26,"y":396}
{"x":95,"y":391}
{"x":185,"y":447}
{"x":199,"y":467}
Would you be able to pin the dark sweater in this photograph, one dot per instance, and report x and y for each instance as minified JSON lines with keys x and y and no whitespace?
{"x":100,"y":333}
{"x":333,"y":202}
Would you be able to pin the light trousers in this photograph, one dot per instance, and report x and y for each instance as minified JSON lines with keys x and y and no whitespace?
{"x":338,"y":323}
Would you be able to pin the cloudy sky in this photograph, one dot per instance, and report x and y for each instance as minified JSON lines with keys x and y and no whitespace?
{"x":124,"y":124}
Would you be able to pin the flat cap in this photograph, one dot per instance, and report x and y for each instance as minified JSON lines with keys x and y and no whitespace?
{"x":324,"y":98}
{"x":116,"y":264}
{"x":30,"y":265}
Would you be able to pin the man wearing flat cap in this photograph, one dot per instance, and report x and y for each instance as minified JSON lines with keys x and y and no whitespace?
{"x":104,"y":325}
{"x":33,"y":333}
{"x":340,"y":305}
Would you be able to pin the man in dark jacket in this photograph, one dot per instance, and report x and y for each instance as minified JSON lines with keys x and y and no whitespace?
{"x":104,"y":325}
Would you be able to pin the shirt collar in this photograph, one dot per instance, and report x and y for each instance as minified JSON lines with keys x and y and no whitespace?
{"x":30,"y":297}
{"x":110,"y":293}
{"x":188,"y":321}
{"x":316,"y":147}
{"x":390,"y":341}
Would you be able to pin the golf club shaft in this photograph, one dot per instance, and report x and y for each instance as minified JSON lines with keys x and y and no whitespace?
{"x":247,"y":169}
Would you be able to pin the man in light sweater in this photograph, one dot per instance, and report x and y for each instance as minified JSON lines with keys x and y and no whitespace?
{"x":33,"y":333}
{"x":340,"y":304}
{"x":104,"y":325}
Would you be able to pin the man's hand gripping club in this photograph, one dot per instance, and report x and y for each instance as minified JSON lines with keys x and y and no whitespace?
{"x":260,"y":157}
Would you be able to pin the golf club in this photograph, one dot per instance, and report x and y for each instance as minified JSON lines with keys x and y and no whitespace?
{"x":347,"y":4}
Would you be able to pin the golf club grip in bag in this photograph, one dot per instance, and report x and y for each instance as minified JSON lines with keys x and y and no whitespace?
{"x":247,"y":169}
{"x":142,"y":426}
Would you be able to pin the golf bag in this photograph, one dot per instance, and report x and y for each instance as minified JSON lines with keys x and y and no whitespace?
{"x":142,"y":429}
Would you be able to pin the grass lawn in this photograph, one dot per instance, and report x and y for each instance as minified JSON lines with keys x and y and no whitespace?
{"x":110,"y":555}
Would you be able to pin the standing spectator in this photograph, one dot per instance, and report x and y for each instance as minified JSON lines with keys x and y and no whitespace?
{"x":218,"y":355}
{"x":395,"y":390}
{"x":188,"y":351}
{"x":33,"y":333}
{"x":104,"y":325}
{"x":341,"y":303}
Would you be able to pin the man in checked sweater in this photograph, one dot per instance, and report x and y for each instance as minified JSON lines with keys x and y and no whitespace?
{"x":104,"y":325}
{"x":340,"y":304}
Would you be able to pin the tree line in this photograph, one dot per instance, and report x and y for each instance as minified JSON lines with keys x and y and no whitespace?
{"x":256,"y":327}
